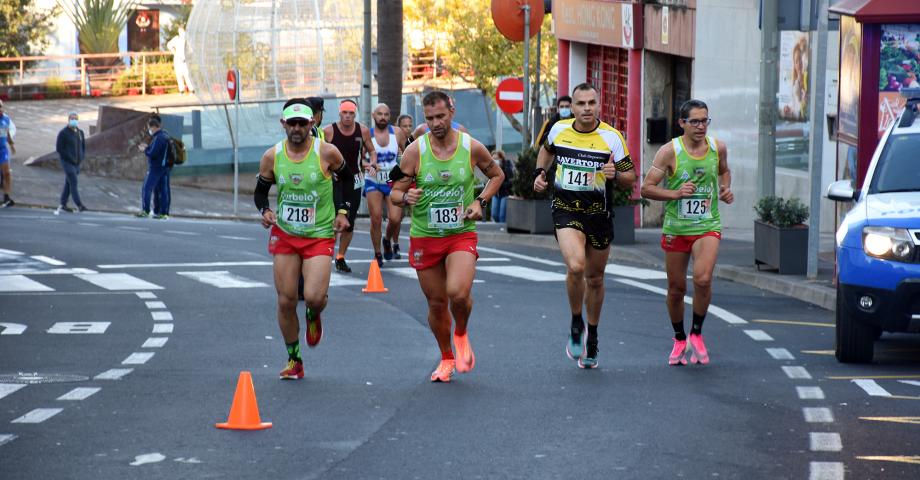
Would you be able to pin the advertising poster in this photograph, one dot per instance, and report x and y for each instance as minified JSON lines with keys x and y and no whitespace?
{"x":794,"y":57}
{"x":899,"y":67}
{"x":850,"y":69}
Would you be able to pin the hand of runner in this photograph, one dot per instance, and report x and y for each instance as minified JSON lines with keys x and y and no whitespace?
{"x":539,"y":183}
{"x":269,"y":219}
{"x":412,"y":196}
{"x":473,"y":211}
{"x":725,"y":194}
{"x":686,"y":190}
{"x":371,"y":170}
{"x":609,"y":170}
{"x":341,"y":223}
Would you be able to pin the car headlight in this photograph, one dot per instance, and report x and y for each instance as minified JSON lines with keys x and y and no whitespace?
{"x":888,"y":243}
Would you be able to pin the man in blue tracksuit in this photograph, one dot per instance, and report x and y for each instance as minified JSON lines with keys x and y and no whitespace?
{"x":157,"y":167}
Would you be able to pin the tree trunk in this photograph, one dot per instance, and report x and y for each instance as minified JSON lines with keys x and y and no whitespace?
{"x":390,"y":55}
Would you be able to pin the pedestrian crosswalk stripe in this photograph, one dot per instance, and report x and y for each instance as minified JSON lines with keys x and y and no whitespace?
{"x":519,"y":256}
{"x":161,"y":316}
{"x":759,"y":335}
{"x":8,"y":388}
{"x":113,"y":374}
{"x":118,"y":281}
{"x":48,"y":260}
{"x":146,"y":295}
{"x":223,"y":279}
{"x":21,"y":283}
{"x":634,"y":272}
{"x":38,"y":415}
{"x":155,"y":305}
{"x":409,"y":272}
{"x":162,"y":328}
{"x":4,"y":251}
{"x":79,"y":393}
{"x":155,"y":342}
{"x":526,"y":273}
{"x":137,"y":358}
{"x":337,"y":280}
{"x":780,"y":354}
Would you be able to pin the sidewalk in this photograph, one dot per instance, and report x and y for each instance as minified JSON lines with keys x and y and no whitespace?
{"x":37,"y":187}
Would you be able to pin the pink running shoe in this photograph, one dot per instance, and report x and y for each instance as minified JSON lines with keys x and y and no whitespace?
{"x":699,"y":355}
{"x":465,"y":358}
{"x":678,"y":353}
{"x":294,"y":371}
{"x":444,"y":371}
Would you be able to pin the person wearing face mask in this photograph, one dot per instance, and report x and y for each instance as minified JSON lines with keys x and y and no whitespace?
{"x":157,"y":166}
{"x":563,"y":111}
{"x":71,"y":149}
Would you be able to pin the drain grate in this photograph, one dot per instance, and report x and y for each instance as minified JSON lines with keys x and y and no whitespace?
{"x":38,"y":377}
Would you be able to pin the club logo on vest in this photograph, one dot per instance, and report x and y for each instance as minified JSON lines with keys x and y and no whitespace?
{"x":685,"y":176}
{"x":281,"y":180}
{"x":445,"y":175}
{"x":313,"y":176}
{"x":429,"y":178}
{"x":699,"y":171}
{"x":296,"y":178}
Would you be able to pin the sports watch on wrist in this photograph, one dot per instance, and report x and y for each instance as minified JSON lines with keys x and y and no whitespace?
{"x":482,"y":202}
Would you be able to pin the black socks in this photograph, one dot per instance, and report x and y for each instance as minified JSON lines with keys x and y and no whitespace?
{"x":679,"y":333}
{"x":293,"y":350}
{"x":577,"y":324}
{"x":697,"y":327}
{"x":592,"y":333}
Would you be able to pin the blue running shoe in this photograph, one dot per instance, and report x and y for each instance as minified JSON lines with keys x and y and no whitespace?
{"x":590,"y":358}
{"x":575,"y":348}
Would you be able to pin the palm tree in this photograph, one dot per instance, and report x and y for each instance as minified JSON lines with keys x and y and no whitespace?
{"x":390,"y":54}
{"x":99,"y":23}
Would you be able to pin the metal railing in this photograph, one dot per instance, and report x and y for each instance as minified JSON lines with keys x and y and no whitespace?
{"x":87,"y":75}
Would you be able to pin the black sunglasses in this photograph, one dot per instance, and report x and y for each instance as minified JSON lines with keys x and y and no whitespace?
{"x":696,"y":122}
{"x":296,"y":122}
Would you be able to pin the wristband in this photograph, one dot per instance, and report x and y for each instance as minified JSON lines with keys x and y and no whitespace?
{"x":342,"y":211}
{"x":264,"y":209}
{"x":537,"y":172}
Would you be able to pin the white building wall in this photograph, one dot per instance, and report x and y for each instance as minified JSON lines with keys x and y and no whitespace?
{"x":578,"y":64}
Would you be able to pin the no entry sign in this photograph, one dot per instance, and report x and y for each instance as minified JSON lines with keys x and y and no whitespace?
{"x":232,"y":83}
{"x":510,"y":95}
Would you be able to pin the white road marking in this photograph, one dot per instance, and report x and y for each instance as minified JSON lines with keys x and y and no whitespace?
{"x":825,"y":442}
{"x":79,"y":393}
{"x":113,"y":374}
{"x":519,"y":256}
{"x":119,"y":281}
{"x":79,"y":327}
{"x":910,"y":382}
{"x":4,"y":251}
{"x":180,"y":232}
{"x":8,"y":388}
{"x":871,"y":387}
{"x":12,"y":328}
{"x":53,"y":271}
{"x":818,"y":415}
{"x":21,"y":283}
{"x":162,"y":328}
{"x":231,"y":237}
{"x":797,"y":373}
{"x":525,"y":273}
{"x":134,"y":229}
{"x":147,"y":458}
{"x":6,"y":438}
{"x":87,"y":224}
{"x":155,"y":305}
{"x":759,"y":335}
{"x":810,"y":393}
{"x":223,"y":279}
{"x":825,"y":471}
{"x":339,"y":280}
{"x":49,"y":260}
{"x":155,"y":342}
{"x":180,"y":265}
{"x":38,"y":415}
{"x":161,"y":316}
{"x":409,"y":272}
{"x":137,"y":358}
{"x":146,"y":295}
{"x":633,"y":272}
{"x":717,"y":311}
{"x":780,"y":354}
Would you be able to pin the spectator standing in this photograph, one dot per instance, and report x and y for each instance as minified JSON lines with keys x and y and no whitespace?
{"x":176,"y":45}
{"x":7,"y":130}
{"x":500,"y":200}
{"x":157,"y":167}
{"x":71,"y":149}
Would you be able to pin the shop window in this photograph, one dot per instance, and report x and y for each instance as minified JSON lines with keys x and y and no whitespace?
{"x":608,"y":71}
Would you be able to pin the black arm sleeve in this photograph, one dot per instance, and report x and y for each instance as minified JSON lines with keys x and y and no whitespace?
{"x":261,"y":194}
{"x":341,"y":182}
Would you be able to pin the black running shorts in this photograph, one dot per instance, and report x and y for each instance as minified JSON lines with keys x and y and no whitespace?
{"x":354,"y":198}
{"x":598,"y":227}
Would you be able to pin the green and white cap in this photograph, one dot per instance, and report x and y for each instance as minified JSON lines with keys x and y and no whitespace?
{"x":297,"y":110}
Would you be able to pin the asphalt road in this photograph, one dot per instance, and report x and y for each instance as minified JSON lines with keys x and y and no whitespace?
{"x":122,"y":340}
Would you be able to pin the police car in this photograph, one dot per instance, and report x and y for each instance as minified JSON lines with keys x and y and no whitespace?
{"x":878,"y":243}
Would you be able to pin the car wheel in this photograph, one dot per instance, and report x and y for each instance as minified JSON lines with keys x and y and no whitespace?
{"x":855,"y":341}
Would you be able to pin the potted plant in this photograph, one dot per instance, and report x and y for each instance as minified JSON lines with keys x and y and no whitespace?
{"x":624,"y":208}
{"x":780,"y":234}
{"x":528,"y":211}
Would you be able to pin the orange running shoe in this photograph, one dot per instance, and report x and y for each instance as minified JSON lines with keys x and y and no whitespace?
{"x":294,"y":371}
{"x":314,"y":328}
{"x":465,"y":358}
{"x":444,"y":371}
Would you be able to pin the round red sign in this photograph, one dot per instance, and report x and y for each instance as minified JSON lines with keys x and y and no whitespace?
{"x":232,"y":83}
{"x":509,"y":96}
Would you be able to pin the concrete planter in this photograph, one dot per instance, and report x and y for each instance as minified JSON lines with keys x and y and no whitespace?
{"x":785,"y":249}
{"x":624,"y":225}
{"x":531,"y":216}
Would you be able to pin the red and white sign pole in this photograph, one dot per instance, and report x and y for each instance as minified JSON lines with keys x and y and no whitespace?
{"x":233,"y":89}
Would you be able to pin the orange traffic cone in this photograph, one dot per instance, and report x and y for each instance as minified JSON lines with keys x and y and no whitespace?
{"x":244,"y":413}
{"x":374,"y":280}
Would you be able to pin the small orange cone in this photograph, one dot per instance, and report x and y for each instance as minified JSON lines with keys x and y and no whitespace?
{"x":244,"y":413}
{"x":374,"y":280}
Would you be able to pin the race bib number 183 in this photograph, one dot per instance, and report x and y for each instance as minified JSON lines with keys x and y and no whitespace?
{"x":445,"y":215}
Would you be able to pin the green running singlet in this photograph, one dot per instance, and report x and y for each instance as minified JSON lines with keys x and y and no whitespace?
{"x":699,"y":213}
{"x":447,"y":188}
{"x":305,"y":206}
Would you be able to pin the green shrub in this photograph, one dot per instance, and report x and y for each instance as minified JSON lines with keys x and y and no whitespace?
{"x":522,"y":184}
{"x":780,"y":212}
{"x":55,"y":87}
{"x":158,"y":75}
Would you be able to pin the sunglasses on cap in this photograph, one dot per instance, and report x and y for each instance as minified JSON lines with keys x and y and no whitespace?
{"x":297,"y":122}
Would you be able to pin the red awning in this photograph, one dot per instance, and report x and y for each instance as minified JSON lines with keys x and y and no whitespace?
{"x":879,"y":11}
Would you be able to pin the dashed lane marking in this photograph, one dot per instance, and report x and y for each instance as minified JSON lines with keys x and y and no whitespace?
{"x":909,"y":420}
{"x":525,"y":273}
{"x":825,"y":471}
{"x":796,"y":373}
{"x":231,"y":237}
{"x":79,"y":393}
{"x":162,"y":328}
{"x":113,"y":374}
{"x":155,"y":305}
{"x":791,"y":322}
{"x":181,"y":232}
{"x":810,"y":393}
{"x":818,"y":415}
{"x":818,"y":352}
{"x":636,"y":273}
{"x":137,"y":358}
{"x":12,"y":328}
{"x":118,"y":281}
{"x":9,"y":388}
{"x":161,"y":316}
{"x":171,"y":265}
{"x":146,"y":295}
{"x":717,"y":311}
{"x":223,"y":279}
{"x":21,"y":283}
{"x":48,"y":260}
{"x":824,"y":442}
{"x":409,"y":272}
{"x":780,"y":354}
{"x":520,"y":257}
{"x":759,"y":335}
{"x":38,"y":415}
{"x":155,"y":342}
